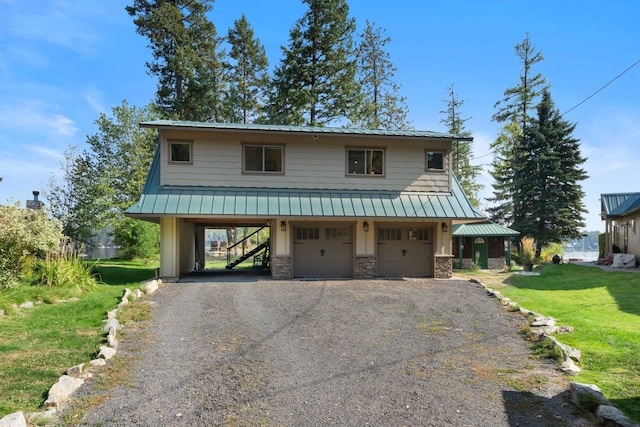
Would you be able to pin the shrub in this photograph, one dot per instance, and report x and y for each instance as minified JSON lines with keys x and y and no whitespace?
{"x":26,"y":235}
{"x":549,"y":251}
{"x":137,"y":239}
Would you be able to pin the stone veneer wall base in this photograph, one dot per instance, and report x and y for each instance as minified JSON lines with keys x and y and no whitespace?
{"x":365,"y":267}
{"x":282,"y":267}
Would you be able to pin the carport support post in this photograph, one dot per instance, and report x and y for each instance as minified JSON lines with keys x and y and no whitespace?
{"x":281,"y":259}
{"x":169,"y":248}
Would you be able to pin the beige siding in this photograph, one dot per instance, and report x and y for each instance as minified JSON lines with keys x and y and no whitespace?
{"x":628,"y":234}
{"x":308,"y":163}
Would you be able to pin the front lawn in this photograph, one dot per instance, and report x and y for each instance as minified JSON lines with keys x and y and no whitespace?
{"x":603,"y":307}
{"x":38,"y":344}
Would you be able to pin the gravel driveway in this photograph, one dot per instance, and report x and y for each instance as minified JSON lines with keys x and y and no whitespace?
{"x":257,"y":352}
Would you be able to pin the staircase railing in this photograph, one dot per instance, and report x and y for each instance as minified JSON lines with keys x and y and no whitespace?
{"x":232,"y":256}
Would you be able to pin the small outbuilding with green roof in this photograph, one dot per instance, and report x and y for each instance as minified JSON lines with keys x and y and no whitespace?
{"x":486,"y":244}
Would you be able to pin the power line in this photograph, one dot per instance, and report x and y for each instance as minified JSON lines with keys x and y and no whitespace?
{"x":581,"y":102}
{"x":608,"y":83}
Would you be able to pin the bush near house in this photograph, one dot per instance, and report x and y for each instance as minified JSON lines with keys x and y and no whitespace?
{"x":26,"y":236}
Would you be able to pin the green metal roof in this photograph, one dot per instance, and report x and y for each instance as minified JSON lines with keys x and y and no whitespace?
{"x":188,"y":201}
{"x":619,"y":204}
{"x":175,"y":124}
{"x":482,"y":229}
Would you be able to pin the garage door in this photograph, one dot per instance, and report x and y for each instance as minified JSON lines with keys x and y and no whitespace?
{"x":323,"y":251}
{"x":405,"y":252}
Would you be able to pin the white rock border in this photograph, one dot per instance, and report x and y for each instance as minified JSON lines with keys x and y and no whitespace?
{"x":74,"y":377}
{"x":587,"y":396}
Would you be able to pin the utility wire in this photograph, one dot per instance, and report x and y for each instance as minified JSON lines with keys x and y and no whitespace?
{"x":581,"y":102}
{"x":608,"y":83}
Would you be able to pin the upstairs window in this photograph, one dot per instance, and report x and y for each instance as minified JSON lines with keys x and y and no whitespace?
{"x":263,"y":158}
{"x":365,"y":162}
{"x":180,"y":152}
{"x":435,"y":160}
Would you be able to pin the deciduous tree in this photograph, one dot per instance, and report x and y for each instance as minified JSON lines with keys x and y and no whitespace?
{"x":108,"y":176}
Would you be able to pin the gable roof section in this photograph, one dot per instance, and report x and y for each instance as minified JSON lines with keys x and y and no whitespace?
{"x":483,"y":229}
{"x":253,"y":127}
{"x":619,"y":204}
{"x":186,"y":201}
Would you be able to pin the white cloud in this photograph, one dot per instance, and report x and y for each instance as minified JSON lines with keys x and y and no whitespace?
{"x":93,"y":99}
{"x":30,"y":117}
{"x":47,"y":152}
{"x":56,"y":23}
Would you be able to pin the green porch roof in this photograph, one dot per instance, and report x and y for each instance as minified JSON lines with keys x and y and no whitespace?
{"x":225,"y":202}
{"x":483,"y":229}
{"x":619,"y":204}
{"x":249,"y":127}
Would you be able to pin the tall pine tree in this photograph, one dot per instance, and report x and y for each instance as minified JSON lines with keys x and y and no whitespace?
{"x":461,"y":152}
{"x":382,"y":106}
{"x":315,"y":83}
{"x":248,"y":75}
{"x":187,"y":59}
{"x":514,"y":110}
{"x":547,"y":191}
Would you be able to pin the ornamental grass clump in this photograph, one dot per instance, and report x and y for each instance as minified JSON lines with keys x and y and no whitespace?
{"x":58,"y":270}
{"x":527,"y":251}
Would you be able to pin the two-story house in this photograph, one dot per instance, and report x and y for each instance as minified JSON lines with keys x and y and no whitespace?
{"x":339,"y":202}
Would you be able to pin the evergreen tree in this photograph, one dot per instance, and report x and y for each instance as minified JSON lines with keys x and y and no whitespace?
{"x":501,"y":210}
{"x":514,"y":109}
{"x":248,"y":74}
{"x":315,"y":83}
{"x":186,"y":57}
{"x":382,"y":106}
{"x":547,"y":193}
{"x":461,"y":152}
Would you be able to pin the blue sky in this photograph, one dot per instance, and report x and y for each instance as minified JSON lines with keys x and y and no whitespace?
{"x":63,"y":62}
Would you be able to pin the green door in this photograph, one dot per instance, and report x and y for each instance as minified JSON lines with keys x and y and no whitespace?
{"x":480,"y":252}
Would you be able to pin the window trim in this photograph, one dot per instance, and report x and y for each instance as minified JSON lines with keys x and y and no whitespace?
{"x":263,"y":146}
{"x":189,"y":143}
{"x":365,"y":149}
{"x":426,"y":161}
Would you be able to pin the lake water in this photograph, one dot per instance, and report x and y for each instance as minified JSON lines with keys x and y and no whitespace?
{"x":102,"y":253}
{"x":583,"y":255}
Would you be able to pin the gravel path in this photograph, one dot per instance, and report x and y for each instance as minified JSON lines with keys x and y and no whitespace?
{"x":259,"y":352}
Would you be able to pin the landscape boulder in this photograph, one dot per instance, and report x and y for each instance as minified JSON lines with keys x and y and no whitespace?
{"x":62,"y":390}
{"x":16,"y":419}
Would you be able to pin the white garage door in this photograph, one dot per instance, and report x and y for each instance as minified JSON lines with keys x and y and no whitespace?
{"x":405,"y":252}
{"x":323,"y":251}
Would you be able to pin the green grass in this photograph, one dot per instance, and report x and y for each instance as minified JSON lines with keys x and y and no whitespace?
{"x":603,"y":307}
{"x":38,"y":344}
